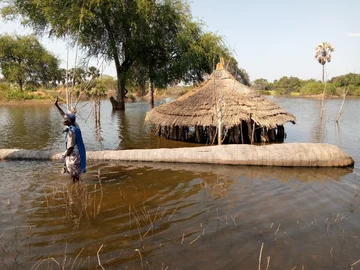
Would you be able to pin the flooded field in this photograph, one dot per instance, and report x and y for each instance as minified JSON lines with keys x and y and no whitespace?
{"x":173,"y":216}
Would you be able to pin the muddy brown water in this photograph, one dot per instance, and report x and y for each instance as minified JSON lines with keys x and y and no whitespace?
{"x":173,"y":216}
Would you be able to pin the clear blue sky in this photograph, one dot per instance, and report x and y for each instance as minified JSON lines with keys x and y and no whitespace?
{"x":270,"y":38}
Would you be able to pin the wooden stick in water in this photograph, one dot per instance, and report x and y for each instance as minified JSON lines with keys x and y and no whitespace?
{"x":261,"y":249}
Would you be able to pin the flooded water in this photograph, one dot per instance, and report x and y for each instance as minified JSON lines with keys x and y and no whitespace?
{"x":173,"y":216}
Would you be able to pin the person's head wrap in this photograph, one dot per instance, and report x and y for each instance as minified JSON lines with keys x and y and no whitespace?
{"x":69,"y":119}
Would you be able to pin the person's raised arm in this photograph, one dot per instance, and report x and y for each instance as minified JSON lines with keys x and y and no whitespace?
{"x":58,"y":107}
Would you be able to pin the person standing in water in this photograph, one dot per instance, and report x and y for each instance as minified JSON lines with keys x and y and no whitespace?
{"x":75,"y":153}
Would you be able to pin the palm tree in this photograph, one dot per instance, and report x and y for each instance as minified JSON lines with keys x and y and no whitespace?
{"x":323,"y":55}
{"x":93,"y":73}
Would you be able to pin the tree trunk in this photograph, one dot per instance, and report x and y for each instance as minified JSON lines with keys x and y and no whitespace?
{"x":120,"y":103}
{"x":21,"y":85}
{"x":151,"y":91}
{"x":142,"y":89}
{"x":121,"y":69}
{"x":322,"y":103}
{"x":323,"y":72}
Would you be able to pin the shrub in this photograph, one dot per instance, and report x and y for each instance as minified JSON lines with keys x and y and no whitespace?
{"x":4,"y":88}
{"x":16,"y":94}
{"x":352,"y":90}
{"x":132,"y":97}
{"x":316,"y":88}
{"x":264,"y":92}
{"x":281,"y":91}
{"x":97,"y":89}
{"x":357,"y":91}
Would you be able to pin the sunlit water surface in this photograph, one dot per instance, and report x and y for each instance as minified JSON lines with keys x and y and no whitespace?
{"x":158,"y":216}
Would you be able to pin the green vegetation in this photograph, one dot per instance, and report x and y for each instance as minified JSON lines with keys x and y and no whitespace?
{"x":23,"y":60}
{"x":261,"y":84}
{"x":336,"y":86}
{"x":12,"y":92}
{"x":349,"y":82}
{"x":31,"y":72}
{"x":79,"y":81}
{"x":154,"y":41}
{"x":4,"y":88}
{"x":316,"y":88}
{"x":287,"y":85}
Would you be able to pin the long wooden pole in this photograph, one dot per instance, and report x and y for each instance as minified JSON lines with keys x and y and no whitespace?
{"x":219,"y":125}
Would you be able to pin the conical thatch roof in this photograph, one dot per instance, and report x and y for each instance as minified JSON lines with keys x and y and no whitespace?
{"x":237,"y":103}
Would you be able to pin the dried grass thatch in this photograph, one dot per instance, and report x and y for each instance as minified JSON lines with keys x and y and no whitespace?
{"x":244,"y":115}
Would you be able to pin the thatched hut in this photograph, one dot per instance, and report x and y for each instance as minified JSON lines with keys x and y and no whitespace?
{"x":221,"y":103}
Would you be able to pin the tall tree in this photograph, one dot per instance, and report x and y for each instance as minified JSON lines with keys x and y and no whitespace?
{"x":167,"y":23}
{"x":77,"y":75}
{"x":203,"y":54}
{"x":93,"y":73}
{"x":323,"y":55}
{"x":261,"y":84}
{"x":177,"y":49}
{"x":61,"y":76}
{"x":23,"y":59}
{"x":286,"y":85}
{"x":113,"y":29}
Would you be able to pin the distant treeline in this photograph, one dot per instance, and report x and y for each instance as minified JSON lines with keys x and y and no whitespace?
{"x":348,"y":83}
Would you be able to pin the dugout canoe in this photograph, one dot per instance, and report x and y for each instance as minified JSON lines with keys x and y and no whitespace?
{"x":287,"y":155}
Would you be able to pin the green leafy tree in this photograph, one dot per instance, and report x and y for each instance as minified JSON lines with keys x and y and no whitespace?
{"x":176,"y":49}
{"x":61,"y":76}
{"x":109,"y":82}
{"x":323,"y":55}
{"x":317,"y":88}
{"x":346,"y":80}
{"x":261,"y":84}
{"x":348,"y":83}
{"x":115,"y":30}
{"x":203,"y":54}
{"x":166,"y":21}
{"x":23,"y":60}
{"x":97,"y":89}
{"x":138,"y":78}
{"x":76,"y":76}
{"x":93,"y":73}
{"x":206,"y":51}
{"x":286,"y":85}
